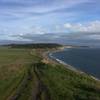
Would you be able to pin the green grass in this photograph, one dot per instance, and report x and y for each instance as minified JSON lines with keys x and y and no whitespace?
{"x":64,"y":84}
{"x":13,"y":64}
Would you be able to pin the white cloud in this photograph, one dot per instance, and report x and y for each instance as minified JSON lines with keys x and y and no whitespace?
{"x":89,"y":30}
{"x":94,"y":37}
{"x":93,"y":26}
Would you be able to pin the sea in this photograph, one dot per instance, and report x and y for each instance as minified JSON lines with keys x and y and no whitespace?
{"x":84,"y":59}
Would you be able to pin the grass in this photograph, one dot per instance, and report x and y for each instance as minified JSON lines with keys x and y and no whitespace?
{"x":23,"y":75}
{"x":13,"y":64}
{"x":64,"y":84}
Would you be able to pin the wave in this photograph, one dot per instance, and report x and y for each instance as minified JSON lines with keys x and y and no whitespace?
{"x":58,"y":60}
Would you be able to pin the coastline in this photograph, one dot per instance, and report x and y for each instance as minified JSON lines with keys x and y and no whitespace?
{"x":50,"y":57}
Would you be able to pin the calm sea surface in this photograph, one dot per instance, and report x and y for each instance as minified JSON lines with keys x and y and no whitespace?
{"x":84,"y":59}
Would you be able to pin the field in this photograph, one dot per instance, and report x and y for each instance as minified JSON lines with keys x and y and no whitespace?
{"x":13,"y":66}
{"x":24,"y":77}
{"x":64,"y":84}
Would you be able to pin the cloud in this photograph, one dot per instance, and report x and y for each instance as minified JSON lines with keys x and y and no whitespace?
{"x":78,"y":32}
{"x":75,"y":39}
{"x":29,"y":8}
{"x":74,"y":32}
{"x":93,"y":26}
{"x":40,"y":5}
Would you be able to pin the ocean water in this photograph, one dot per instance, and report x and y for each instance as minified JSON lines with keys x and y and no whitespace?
{"x":84,"y":59}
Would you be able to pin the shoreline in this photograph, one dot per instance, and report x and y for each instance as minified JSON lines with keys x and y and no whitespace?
{"x":56,"y":60}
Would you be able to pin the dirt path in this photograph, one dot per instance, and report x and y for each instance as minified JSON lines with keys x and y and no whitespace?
{"x":42,"y":89}
{"x":39,"y":90}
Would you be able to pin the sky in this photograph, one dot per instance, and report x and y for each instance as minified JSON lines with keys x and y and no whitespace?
{"x":61,"y":21}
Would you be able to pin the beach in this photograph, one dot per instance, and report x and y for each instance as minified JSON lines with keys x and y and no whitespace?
{"x":51,"y":59}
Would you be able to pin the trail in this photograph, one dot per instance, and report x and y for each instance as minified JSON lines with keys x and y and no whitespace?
{"x":41,"y":87}
{"x":39,"y":90}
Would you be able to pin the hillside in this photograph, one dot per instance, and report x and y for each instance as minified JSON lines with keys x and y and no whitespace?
{"x":23,"y":76}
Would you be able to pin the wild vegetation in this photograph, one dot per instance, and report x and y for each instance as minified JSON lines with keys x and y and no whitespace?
{"x":23,"y":76}
{"x":64,"y":84}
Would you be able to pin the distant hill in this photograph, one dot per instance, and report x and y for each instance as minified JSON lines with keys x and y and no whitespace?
{"x":35,"y":45}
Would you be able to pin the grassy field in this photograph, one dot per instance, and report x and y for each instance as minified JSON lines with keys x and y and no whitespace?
{"x":64,"y":84}
{"x":24,"y":77}
{"x":13,"y":66}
